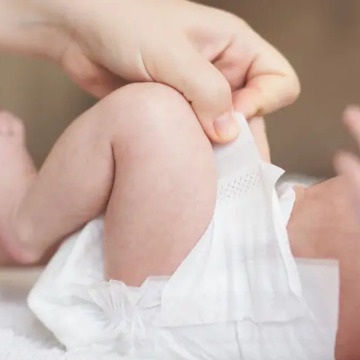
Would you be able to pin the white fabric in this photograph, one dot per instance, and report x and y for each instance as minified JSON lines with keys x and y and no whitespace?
{"x":22,"y":336}
{"x":238,"y":294}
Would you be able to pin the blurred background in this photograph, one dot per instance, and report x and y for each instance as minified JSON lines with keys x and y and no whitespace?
{"x":320,"y":38}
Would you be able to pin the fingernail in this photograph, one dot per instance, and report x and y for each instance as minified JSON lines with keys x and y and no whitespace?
{"x":226,"y":126}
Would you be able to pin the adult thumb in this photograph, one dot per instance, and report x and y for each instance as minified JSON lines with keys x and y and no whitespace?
{"x":204,"y":86}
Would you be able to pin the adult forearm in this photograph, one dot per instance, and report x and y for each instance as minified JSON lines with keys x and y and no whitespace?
{"x":32,"y":27}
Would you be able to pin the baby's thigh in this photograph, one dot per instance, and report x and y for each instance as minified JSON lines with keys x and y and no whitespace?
{"x":321,"y":226}
{"x":164,"y":189}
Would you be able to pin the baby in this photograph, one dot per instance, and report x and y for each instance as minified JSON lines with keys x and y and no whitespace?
{"x":140,"y":157}
{"x":138,"y":154}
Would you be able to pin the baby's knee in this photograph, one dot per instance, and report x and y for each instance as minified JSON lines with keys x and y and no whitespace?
{"x":150,"y":111}
{"x":154,"y":124}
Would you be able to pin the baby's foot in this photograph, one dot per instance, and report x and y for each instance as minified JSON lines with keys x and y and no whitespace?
{"x":16,"y":173}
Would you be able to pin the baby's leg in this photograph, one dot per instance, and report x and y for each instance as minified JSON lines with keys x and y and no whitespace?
{"x":322,"y":225}
{"x":16,"y":170}
{"x":142,"y":151}
{"x":165,"y":186}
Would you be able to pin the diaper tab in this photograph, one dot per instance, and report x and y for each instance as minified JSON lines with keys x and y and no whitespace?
{"x":232,"y":158}
{"x":242,"y":267}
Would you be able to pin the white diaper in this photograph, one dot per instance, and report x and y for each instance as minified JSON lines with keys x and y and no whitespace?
{"x":239,"y":294}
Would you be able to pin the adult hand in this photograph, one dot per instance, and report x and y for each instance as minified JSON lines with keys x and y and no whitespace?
{"x":212,"y":57}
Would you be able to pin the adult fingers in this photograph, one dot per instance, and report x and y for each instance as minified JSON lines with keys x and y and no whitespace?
{"x":203,"y":85}
{"x":270,"y":84}
{"x":351,"y":119}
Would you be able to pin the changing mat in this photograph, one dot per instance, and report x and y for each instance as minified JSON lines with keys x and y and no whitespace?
{"x":239,"y":294}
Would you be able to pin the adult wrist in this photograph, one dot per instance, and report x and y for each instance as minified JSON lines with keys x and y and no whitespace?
{"x":32,"y":27}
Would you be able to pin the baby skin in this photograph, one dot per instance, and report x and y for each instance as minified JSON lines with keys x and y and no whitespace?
{"x":117,"y":159}
{"x":140,"y":157}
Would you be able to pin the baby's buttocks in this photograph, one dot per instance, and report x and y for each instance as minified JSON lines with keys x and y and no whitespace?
{"x":239,"y":294}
